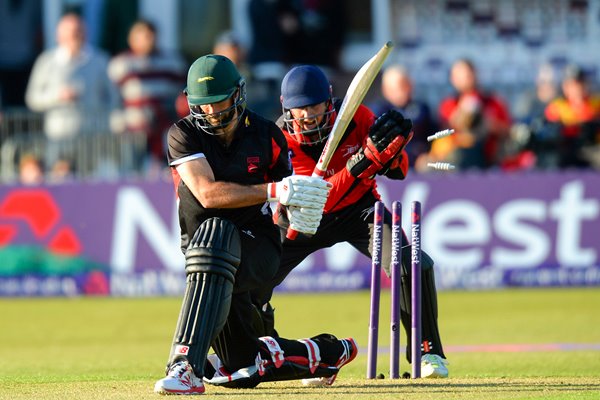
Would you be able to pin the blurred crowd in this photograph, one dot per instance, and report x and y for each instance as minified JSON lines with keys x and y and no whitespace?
{"x":83,"y":91}
{"x":555,"y":125}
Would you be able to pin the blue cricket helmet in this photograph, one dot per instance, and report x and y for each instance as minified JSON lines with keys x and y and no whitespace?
{"x":303,"y":86}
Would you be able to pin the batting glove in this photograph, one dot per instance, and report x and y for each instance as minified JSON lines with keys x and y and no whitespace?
{"x":299,"y":191}
{"x":305,"y":219}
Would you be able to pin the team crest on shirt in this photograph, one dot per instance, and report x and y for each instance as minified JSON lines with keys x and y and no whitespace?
{"x":253,"y":163}
{"x":348,"y":150}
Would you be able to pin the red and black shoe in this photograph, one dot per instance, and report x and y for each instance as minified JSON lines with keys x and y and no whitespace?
{"x":349,"y":352}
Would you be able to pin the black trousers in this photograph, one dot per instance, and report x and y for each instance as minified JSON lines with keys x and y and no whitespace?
{"x":237,"y":345}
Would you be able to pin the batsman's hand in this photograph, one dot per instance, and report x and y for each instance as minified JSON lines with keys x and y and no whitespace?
{"x":388,"y":136}
{"x":300,"y":191}
{"x":305,"y":219}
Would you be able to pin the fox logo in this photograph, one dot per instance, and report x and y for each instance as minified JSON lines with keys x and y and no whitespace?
{"x":253,"y":163}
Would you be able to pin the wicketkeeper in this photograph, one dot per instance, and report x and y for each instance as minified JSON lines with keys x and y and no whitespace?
{"x":227,"y":164}
{"x":368,"y":148}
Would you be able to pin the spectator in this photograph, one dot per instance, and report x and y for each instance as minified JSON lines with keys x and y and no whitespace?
{"x":70,"y":85}
{"x":575,"y":121}
{"x":227,"y":44}
{"x":532,"y":103}
{"x":31,"y":170}
{"x":528,"y":147}
{"x":149,"y":81}
{"x":481,"y":122}
{"x":61,"y":171}
{"x":397,"y":94}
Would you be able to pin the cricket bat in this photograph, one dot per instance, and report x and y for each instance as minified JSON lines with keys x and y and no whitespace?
{"x":354,"y":96}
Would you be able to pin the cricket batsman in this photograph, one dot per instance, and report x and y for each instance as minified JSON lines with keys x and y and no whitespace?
{"x":228,"y":163}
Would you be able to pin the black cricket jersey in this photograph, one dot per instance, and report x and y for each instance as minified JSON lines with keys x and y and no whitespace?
{"x":257,"y":154}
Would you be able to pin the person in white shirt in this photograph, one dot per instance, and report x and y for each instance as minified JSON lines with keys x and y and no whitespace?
{"x":70,"y":85}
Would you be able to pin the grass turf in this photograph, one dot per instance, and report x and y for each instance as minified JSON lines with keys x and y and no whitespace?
{"x":106,"y":348}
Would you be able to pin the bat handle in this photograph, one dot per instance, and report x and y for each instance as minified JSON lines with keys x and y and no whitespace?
{"x":291,"y":234}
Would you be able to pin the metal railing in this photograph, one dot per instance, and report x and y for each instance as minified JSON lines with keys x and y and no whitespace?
{"x":101,"y":155}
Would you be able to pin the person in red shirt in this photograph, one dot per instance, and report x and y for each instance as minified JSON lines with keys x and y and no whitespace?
{"x":369,"y":147}
{"x":575,"y":120}
{"x":148,"y":79}
{"x":481,"y":123}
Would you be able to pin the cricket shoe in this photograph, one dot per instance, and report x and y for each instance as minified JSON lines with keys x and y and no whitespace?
{"x":180,"y":380}
{"x":348,"y":354}
{"x":433,"y":366}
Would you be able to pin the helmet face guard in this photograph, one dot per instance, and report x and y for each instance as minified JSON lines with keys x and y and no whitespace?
{"x":312,"y":136}
{"x":305,"y":86}
{"x":215,"y":123}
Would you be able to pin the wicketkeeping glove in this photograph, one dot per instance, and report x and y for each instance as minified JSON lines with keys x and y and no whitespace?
{"x":396,"y":168}
{"x":299,"y":191}
{"x":387,"y":138}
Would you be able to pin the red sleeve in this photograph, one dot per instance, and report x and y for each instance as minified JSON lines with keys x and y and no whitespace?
{"x":346,"y":188}
{"x":447,"y":107}
{"x":342,"y":182}
{"x":500,"y":110}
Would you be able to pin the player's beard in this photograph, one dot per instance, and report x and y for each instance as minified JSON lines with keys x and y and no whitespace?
{"x":229,"y":119}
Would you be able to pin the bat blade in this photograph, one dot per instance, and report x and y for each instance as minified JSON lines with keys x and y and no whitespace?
{"x":357,"y":90}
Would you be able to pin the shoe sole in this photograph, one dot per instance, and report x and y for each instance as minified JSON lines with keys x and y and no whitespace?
{"x":196,"y":391}
{"x":179,"y":392}
{"x":436,"y":373}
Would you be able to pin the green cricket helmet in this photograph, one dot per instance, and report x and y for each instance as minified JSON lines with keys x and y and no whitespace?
{"x":212,"y":79}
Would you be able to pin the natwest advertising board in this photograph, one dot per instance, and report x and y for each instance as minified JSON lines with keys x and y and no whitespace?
{"x":484,"y":230}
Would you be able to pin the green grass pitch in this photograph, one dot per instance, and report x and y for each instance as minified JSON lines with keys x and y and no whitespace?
{"x":505,"y":344}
